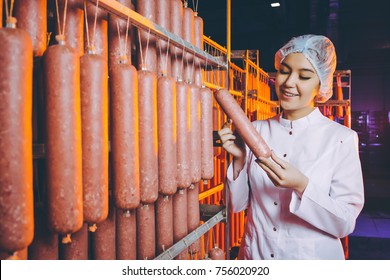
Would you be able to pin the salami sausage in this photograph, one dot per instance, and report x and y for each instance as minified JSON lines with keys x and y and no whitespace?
{"x":180,"y":226}
{"x":166,"y":112}
{"x":217,"y":253}
{"x":243,"y":126}
{"x":183,"y":135}
{"x":16,"y":162}
{"x":32,"y":17}
{"x":163,"y":19}
{"x":164,"y":223}
{"x":116,"y":47}
{"x":147,"y":8}
{"x":63,"y":139}
{"x":146,"y":232}
{"x":45,"y":243}
{"x":148,"y":151}
{"x":78,"y":248}
{"x":198,"y":42}
{"x":94,"y":114}
{"x":74,"y":25}
{"x":99,"y":38}
{"x":195,"y":138}
{"x":188,"y":35}
{"x":206,"y":126}
{"x":104,"y":238}
{"x":176,"y":18}
{"x":126,"y":235}
{"x":124,"y":137}
{"x":193,"y":214}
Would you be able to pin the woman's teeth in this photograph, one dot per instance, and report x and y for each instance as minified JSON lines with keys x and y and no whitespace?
{"x":290,"y":94}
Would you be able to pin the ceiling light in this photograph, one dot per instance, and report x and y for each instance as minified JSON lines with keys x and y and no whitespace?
{"x":275,"y":4}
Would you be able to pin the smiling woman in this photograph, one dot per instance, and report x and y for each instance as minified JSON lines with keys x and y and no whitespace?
{"x":308,"y":194}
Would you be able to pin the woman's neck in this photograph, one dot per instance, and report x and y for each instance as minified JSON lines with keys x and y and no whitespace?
{"x":295,"y":115}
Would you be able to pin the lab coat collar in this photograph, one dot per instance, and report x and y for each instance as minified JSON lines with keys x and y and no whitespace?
{"x":301,"y":123}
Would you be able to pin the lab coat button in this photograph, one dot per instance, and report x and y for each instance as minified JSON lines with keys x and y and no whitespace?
{"x":274,"y":229}
{"x":275,"y":203}
{"x":290,"y":133}
{"x":284,"y":155}
{"x":272,"y":255}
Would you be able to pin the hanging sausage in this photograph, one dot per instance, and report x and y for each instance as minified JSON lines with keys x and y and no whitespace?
{"x":146,"y":232}
{"x":45,"y":243}
{"x":16,"y":162}
{"x":180,"y":226}
{"x":176,"y":16}
{"x":195,"y":135}
{"x":163,"y":18}
{"x":166,"y":113}
{"x":32,"y":17}
{"x":94,"y":114}
{"x":183,"y":135}
{"x":164,"y":223}
{"x":198,"y":42}
{"x":99,"y":38}
{"x":126,"y":235}
{"x":206,"y":135}
{"x":188,"y":35}
{"x":103,"y":245}
{"x":148,"y":151}
{"x":124,"y":136}
{"x":61,"y":66}
{"x":74,"y":23}
{"x":193,"y":214}
{"x":117,"y":46}
{"x":147,"y":56}
{"x":78,"y":248}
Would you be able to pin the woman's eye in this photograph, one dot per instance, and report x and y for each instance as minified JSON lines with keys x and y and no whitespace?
{"x":281,"y":71}
{"x":304,"y":78}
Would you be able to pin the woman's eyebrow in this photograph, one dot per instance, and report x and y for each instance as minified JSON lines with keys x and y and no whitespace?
{"x":302,"y":69}
{"x":307,"y":69}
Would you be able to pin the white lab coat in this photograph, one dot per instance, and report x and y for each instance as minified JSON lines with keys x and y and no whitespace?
{"x":281,"y":224}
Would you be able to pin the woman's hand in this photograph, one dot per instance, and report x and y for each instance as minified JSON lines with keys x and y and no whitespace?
{"x":233,"y":145}
{"x":230,"y":142}
{"x":283,"y":174}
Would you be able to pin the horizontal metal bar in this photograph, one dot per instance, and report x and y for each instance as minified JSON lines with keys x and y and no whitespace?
{"x":334,"y":103}
{"x":184,"y":243}
{"x":139,"y":21}
{"x":211,"y":191}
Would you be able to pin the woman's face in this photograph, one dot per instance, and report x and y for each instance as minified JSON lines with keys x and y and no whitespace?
{"x":296,"y":85}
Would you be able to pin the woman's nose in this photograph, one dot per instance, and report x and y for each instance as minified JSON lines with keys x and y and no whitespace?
{"x":291,"y":80}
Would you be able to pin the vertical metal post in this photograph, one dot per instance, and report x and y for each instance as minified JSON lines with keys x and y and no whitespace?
{"x":228,"y":57}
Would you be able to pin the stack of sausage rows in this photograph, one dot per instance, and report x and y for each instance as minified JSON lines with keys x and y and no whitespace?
{"x":125,"y":146}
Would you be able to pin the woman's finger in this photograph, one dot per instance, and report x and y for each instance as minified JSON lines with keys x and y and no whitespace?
{"x":227,"y":137}
{"x":282,"y":163}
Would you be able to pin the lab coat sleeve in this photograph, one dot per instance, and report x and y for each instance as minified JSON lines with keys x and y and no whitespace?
{"x":335,"y":212}
{"x":238,"y":189}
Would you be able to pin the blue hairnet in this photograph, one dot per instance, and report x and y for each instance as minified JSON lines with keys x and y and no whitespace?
{"x":320,"y":52}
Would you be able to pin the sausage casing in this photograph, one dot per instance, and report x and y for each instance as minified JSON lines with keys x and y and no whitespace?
{"x":242,"y":124}
{"x":124,"y":136}
{"x":148,"y":151}
{"x":63,"y":139}
{"x":94,"y":120}
{"x":16,"y":161}
{"x":32,"y":17}
{"x":166,"y":112}
{"x":206,"y":127}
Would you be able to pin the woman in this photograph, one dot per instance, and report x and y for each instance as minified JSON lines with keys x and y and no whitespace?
{"x":308,"y":194}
